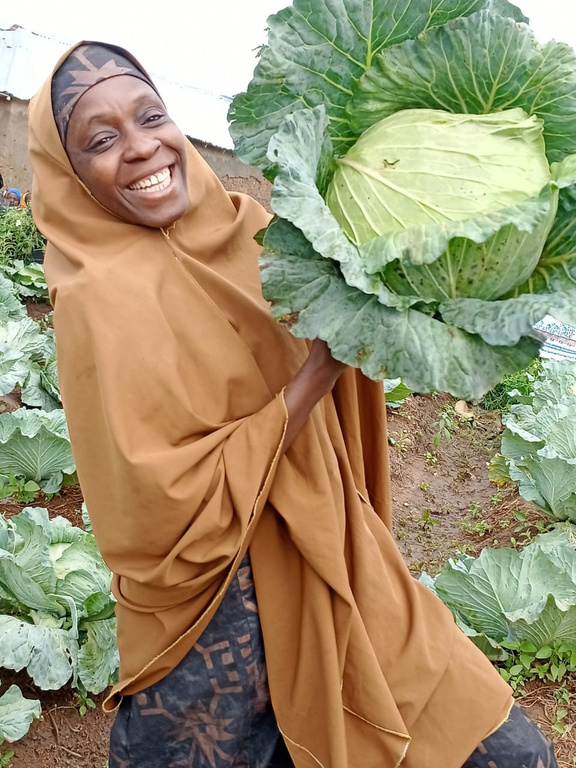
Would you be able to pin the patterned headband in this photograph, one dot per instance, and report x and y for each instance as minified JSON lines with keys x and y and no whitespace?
{"x":87,"y":65}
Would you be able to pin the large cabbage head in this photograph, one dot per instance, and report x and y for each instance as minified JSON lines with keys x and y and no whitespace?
{"x":423,"y":166}
{"x":424,"y":189}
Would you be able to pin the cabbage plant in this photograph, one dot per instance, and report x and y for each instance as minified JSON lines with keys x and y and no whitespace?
{"x":539,"y":443}
{"x":505,"y":597}
{"x":424,"y":191}
{"x":35,"y":445}
{"x":56,"y":611}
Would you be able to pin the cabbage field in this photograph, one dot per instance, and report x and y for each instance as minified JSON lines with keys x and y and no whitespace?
{"x":423,"y":161}
{"x":56,"y":611}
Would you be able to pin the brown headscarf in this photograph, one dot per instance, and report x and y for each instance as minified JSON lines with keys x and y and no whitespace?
{"x":172,"y":372}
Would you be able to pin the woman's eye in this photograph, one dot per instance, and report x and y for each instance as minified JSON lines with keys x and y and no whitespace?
{"x":153,"y":118}
{"x":100,"y":142}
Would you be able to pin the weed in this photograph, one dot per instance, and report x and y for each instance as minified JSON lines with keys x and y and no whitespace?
{"x":445,"y":426}
{"x":427,"y":522}
{"x":431,"y":457}
{"x":83,"y":702}
{"x":424,"y":486}
{"x":401,"y":440}
{"x":527,"y":662}
{"x":512,"y":389}
{"x":18,"y":488}
{"x":6,"y":758}
{"x":527,"y":529}
{"x":474,"y":522}
{"x":562,"y":696}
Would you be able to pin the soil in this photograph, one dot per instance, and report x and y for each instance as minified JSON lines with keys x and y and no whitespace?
{"x":443,"y":503}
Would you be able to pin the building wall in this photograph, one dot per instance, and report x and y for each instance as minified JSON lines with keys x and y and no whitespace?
{"x":16,"y":171}
{"x":14,"y":163}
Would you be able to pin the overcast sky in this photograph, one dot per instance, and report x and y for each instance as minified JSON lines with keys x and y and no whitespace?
{"x":209,"y":44}
{"x":206,"y":43}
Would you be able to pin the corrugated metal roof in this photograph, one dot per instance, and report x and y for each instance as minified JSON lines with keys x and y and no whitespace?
{"x":26,"y":59}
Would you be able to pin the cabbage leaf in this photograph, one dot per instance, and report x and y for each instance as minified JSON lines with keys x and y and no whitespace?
{"x":539,"y":442}
{"x":445,"y":301}
{"x":55,"y":588}
{"x":506,"y":596}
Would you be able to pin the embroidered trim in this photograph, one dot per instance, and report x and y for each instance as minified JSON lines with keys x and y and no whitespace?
{"x":300,"y":746}
{"x":379,"y":727}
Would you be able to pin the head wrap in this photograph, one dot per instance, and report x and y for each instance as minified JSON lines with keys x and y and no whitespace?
{"x":15,"y":192}
{"x":84,"y":67}
{"x":171,"y":371}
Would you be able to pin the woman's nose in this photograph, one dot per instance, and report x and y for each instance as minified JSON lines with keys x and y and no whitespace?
{"x":140,"y":144}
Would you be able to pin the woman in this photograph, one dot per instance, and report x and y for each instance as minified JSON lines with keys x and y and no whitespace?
{"x":12,"y":197}
{"x":203,"y":431}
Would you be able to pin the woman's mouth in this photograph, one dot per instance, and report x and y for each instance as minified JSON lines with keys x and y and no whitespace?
{"x":155,"y":183}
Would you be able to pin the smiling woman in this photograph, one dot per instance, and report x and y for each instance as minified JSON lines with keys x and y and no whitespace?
{"x":236,"y":477}
{"x":126,"y":149}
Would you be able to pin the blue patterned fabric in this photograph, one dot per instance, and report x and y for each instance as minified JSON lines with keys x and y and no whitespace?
{"x":518,"y":743}
{"x":213,"y":710}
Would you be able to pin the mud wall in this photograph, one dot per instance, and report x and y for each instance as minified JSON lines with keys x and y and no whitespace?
{"x":14,"y":164}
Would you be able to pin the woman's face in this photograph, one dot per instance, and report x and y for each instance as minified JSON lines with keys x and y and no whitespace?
{"x":126,"y":149}
{"x":11,"y":199}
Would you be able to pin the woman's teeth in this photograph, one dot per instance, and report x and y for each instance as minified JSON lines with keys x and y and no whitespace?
{"x":155,"y":183}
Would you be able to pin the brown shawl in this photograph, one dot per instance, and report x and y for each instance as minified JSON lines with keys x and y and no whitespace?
{"x":172,"y":372}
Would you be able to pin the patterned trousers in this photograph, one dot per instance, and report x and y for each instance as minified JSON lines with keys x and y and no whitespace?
{"x":213,"y":710}
{"x":518,"y":743}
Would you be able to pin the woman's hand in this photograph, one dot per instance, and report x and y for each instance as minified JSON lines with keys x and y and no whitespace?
{"x":314,"y":380}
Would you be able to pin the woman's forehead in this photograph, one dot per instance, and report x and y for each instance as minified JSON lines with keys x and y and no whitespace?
{"x":112,"y":97}
{"x":87,"y":66}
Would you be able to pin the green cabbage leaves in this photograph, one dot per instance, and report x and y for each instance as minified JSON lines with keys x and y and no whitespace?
{"x":423,"y":190}
{"x":539,"y":442}
{"x":507,"y":597}
{"x":56,"y":611}
{"x":35,"y":445}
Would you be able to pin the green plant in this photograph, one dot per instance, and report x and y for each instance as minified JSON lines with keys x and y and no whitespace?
{"x":424,"y":486}
{"x":28,"y":279}
{"x":396,"y":392}
{"x":28,"y":361}
{"x":426,"y":521}
{"x":519,"y":608}
{"x":56,"y":611}
{"x":512,"y":389}
{"x":35,"y":445}
{"x":18,"y":488}
{"x":525,"y":661}
{"x":83,"y":702}
{"x":56,"y":597}
{"x":447,"y":424}
{"x":19,"y":236}
{"x":431,"y":457}
{"x":538,"y":443}
{"x":16,"y":714}
{"x":407,"y":264}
